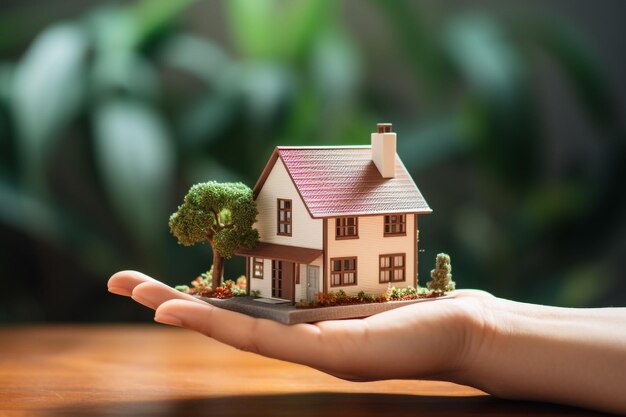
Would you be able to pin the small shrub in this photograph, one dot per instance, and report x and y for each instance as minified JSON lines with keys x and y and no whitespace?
{"x":221,"y":292}
{"x":441,"y":277}
{"x":381,"y":298}
{"x":201,"y":286}
{"x":363,"y":297}
{"x":255,"y":293}
{"x":423,"y":291}
{"x":182,"y":288}
{"x":242,"y":282}
{"x":324,"y":300}
{"x":393,"y":293}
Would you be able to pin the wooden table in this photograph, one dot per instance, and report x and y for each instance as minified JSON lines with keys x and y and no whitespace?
{"x":153,"y":370}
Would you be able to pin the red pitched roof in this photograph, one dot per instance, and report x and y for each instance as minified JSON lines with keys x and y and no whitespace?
{"x":343,"y":181}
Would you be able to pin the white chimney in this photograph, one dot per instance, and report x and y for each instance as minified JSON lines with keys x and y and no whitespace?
{"x":384,"y":150}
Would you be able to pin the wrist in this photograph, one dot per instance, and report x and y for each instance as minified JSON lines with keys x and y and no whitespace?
{"x":541,"y":353}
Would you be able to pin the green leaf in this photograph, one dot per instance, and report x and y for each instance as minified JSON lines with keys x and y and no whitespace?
{"x":113,"y":29}
{"x":6,"y":79}
{"x":303,"y":23}
{"x":429,"y":144}
{"x":487,"y":61}
{"x":44,"y":220}
{"x":253,"y":26}
{"x":28,"y":214}
{"x":336,"y":70}
{"x":205,"y":120}
{"x":7,"y":143}
{"x":136,"y":160}
{"x":497,"y":109}
{"x":154,"y":16}
{"x":579,"y":64}
{"x":47,"y":93}
{"x":418,"y":42}
{"x":266,"y":89}
{"x":117,"y":65}
{"x":124,"y":71}
{"x":196,"y":56}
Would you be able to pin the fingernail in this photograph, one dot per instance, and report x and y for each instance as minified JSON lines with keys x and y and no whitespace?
{"x":145,"y":301}
{"x":119,"y":291}
{"x":168,"y":319}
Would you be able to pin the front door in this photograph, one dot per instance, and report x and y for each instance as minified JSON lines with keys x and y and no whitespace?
{"x":283,"y":273}
{"x":312,"y":282}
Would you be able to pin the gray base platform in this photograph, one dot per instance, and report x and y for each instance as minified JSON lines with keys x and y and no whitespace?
{"x":289,"y":314}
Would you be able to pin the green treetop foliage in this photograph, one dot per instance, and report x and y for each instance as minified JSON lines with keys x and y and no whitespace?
{"x":221,"y":214}
{"x":441,"y":277}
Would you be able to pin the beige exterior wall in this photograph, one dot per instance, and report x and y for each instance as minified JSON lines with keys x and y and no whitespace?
{"x":265,"y":285}
{"x":301,"y":288}
{"x":306,"y":231}
{"x":367,"y":248}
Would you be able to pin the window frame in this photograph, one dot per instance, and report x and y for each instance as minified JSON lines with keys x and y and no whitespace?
{"x":391,"y":268}
{"x":255,"y":262}
{"x":288,"y":223}
{"x":341,"y":227}
{"x":388,"y":223}
{"x":342,"y":272}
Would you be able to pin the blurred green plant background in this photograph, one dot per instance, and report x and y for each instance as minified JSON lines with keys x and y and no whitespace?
{"x":510,"y":116}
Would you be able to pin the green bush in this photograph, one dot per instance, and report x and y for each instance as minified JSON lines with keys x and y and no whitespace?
{"x":441,"y":277}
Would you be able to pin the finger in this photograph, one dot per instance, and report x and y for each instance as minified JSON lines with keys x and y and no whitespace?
{"x":123,"y":282}
{"x":153,"y":294}
{"x":471,"y":293}
{"x":299,"y":343}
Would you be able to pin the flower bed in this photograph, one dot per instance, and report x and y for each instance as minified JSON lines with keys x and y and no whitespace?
{"x":201,"y":286}
{"x":340,"y":298}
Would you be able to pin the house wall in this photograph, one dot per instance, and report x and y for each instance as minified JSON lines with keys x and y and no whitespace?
{"x":367,"y":248}
{"x":301,"y":288}
{"x":306,"y":231}
{"x":265,"y":285}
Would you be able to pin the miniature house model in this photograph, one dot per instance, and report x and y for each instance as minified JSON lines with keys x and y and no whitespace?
{"x":335,"y":218}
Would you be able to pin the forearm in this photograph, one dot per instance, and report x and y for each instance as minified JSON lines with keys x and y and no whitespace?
{"x":569,"y":356}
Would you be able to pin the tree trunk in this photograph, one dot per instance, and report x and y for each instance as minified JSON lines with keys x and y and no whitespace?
{"x":218,"y":270}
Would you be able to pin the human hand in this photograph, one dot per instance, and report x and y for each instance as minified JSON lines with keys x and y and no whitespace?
{"x":509,"y":349}
{"x":429,"y":340}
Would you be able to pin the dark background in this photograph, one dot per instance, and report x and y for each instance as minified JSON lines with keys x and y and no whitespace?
{"x":510,"y":116}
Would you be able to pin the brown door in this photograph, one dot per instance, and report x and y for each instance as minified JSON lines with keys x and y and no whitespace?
{"x":282,"y":279}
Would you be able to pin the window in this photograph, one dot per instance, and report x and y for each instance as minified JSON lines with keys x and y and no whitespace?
{"x":395,"y":224}
{"x":343,"y":271}
{"x":346,"y":228}
{"x":284,"y":217}
{"x":392,"y":268}
{"x":257,"y":268}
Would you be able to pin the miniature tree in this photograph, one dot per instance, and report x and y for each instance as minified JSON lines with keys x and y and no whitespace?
{"x":221,"y":214}
{"x":441,"y":278}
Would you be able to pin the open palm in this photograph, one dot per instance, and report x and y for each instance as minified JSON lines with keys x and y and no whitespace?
{"x":431,"y":340}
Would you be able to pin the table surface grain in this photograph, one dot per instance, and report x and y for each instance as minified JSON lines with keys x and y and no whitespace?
{"x":153,"y":370}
